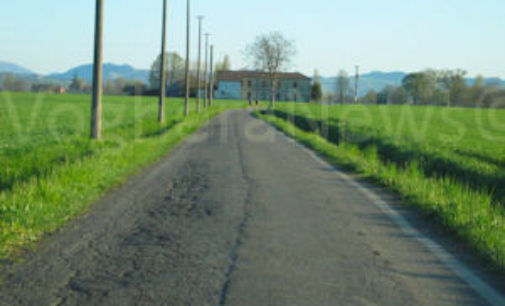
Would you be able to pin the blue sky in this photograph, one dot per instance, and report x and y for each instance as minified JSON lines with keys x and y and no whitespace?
{"x":55,"y":35}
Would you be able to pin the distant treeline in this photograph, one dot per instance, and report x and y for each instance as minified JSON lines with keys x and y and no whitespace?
{"x":429,"y":87}
{"x":440,"y":87}
{"x":118,"y":86}
{"x":175,"y":81}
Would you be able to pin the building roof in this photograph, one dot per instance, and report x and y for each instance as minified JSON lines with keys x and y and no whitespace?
{"x":246,"y":74}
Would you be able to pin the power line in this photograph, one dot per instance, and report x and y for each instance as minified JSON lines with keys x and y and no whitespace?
{"x":199,"y":72}
{"x":356,"y":83}
{"x":206,"y":73}
{"x":163,"y":77}
{"x":211,"y":85}
{"x":188,"y":28}
{"x":96,"y":104}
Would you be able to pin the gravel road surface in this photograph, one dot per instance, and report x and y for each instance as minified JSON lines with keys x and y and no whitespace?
{"x":237,"y":215}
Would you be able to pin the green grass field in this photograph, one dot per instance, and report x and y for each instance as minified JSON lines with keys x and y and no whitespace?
{"x":450,"y":162}
{"x":51,"y":172}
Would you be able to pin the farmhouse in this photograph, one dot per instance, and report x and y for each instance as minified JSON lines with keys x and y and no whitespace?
{"x":245,"y":85}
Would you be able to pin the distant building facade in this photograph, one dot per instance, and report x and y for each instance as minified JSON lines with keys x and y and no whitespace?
{"x":245,"y":85}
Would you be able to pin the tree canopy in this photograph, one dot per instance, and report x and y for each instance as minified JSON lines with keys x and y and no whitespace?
{"x":174,"y":70}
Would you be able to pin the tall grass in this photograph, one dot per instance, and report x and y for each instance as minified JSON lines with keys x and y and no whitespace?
{"x":50,"y":171}
{"x":449,"y":162}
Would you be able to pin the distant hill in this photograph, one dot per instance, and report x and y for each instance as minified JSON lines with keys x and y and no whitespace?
{"x":378,"y":80}
{"x":6,"y":67}
{"x":110,"y":72}
{"x":487,"y":81}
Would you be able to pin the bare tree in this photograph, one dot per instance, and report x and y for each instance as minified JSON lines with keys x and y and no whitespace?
{"x":271,"y":53}
{"x":343,"y":86}
{"x":176,"y":68}
{"x":174,"y":65}
{"x":224,"y":65}
{"x":455,"y":84}
{"x":420,"y":86}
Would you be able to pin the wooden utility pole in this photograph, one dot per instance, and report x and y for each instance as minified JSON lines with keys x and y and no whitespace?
{"x":188,"y":28}
{"x":356,"y":84}
{"x":96,"y":106}
{"x":163,"y":58}
{"x":206,"y":73}
{"x":211,"y":85}
{"x":199,"y":64}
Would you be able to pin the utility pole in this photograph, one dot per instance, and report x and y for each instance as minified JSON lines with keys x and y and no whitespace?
{"x":211,"y":85}
{"x":199,"y":64}
{"x":96,"y":105}
{"x":356,"y":99}
{"x":206,"y":73}
{"x":188,"y":22}
{"x":163,"y":58}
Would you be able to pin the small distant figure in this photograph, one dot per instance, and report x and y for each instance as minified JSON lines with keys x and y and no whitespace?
{"x":250,"y":101}
{"x":257,"y":103}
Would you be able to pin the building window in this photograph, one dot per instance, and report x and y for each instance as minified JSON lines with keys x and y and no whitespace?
{"x":249,"y":83}
{"x":295,"y":98}
{"x":295,"y":85}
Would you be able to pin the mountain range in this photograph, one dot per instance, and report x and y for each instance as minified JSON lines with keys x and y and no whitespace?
{"x":110,"y":72}
{"x":376,"y":80}
{"x":6,"y":67}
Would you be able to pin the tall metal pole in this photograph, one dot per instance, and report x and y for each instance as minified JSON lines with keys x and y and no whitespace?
{"x":96,"y":106}
{"x":163,"y":58}
{"x":356,"y":82}
{"x":199,"y":64}
{"x":188,"y":28}
{"x":211,"y":85}
{"x":206,"y":73}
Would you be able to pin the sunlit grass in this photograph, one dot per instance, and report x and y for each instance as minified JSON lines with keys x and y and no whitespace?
{"x":448,"y":162}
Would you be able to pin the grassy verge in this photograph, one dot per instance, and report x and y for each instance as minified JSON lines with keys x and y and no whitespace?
{"x":468,"y":213}
{"x":51,"y":173}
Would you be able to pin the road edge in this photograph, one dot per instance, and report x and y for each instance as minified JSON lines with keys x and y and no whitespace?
{"x":486,"y":291}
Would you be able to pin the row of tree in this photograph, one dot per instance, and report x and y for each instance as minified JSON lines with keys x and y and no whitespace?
{"x":343,"y":93}
{"x":118,"y":86}
{"x":175,"y":72}
{"x":439,"y":87}
{"x":429,"y":87}
{"x":10,"y":82}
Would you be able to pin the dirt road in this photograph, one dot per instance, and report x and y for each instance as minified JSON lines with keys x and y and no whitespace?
{"x":237,"y":215}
